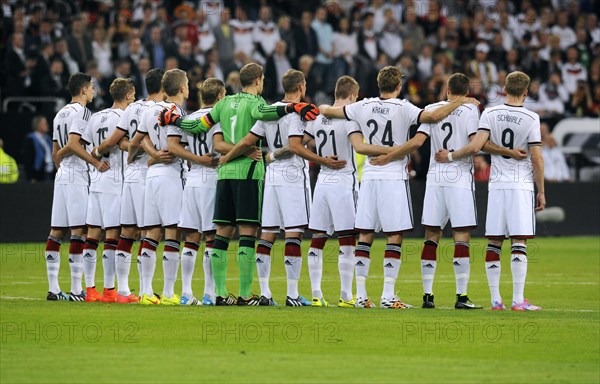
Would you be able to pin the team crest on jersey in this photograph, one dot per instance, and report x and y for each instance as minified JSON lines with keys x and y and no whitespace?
{"x":64,"y":114}
{"x":235,"y":105}
{"x":103,"y":119}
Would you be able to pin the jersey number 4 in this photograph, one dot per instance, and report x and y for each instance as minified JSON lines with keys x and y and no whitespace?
{"x":386,"y":138}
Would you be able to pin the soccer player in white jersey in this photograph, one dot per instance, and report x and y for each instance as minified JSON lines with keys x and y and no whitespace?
{"x":511,"y":201}
{"x":163,"y":191}
{"x":69,"y":202}
{"x":334,"y":200}
{"x":384,"y":197}
{"x":134,"y":179}
{"x":286,"y":200}
{"x":450,"y":193}
{"x":199,"y":194}
{"x":104,"y":201}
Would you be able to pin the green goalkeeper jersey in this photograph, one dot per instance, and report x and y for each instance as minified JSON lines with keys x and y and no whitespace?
{"x":237,"y":114}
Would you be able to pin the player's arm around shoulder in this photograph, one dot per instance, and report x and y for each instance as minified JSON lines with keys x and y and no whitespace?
{"x":537,"y":162}
{"x":474,"y":146}
{"x":76,"y":146}
{"x":433,"y":115}
{"x":399,"y":152}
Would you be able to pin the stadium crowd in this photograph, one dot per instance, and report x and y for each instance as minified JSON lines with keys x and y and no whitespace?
{"x":557,"y":42}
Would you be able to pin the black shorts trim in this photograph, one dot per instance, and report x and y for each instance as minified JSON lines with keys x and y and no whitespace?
{"x":466,"y":228}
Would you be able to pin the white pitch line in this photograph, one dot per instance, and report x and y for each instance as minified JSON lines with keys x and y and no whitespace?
{"x":19,"y":298}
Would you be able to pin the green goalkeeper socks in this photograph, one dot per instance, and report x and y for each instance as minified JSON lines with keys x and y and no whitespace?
{"x":247,"y":263}
{"x":218,"y":264}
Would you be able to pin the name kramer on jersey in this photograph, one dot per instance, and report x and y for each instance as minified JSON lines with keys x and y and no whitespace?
{"x":381,"y":110}
{"x":510,"y":119}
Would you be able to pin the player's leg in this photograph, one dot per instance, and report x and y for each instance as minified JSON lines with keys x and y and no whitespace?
{"x":495,"y":230}
{"x":521,"y":226}
{"x":123,"y":264}
{"x":109,"y":262}
{"x":429,"y":263}
{"x":224,"y":218}
{"x":52,"y":257}
{"x":150,"y":242}
{"x":76,"y":210}
{"x":435,"y":217}
{"x":190,"y":222}
{"x":170,"y":263}
{"x":361,"y":268}
{"x":395,"y":213}
{"x":293,"y":266}
{"x":463,"y":216}
{"x":347,"y":241}
{"x":210,"y":296}
{"x":248,"y":206}
{"x":320,"y":223}
{"x":271,"y":226}
{"x":188,"y":263}
{"x":90,"y":248}
{"x":263,"y":263}
{"x":367,"y":221}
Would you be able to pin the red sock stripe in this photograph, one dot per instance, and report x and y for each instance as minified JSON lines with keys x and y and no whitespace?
{"x":429,"y":252}
{"x":492,"y":256}
{"x":263,"y":250}
{"x":52,"y":245}
{"x":318,"y":242}
{"x":170,"y":249}
{"x":461,"y":250}
{"x":347,"y":241}
{"x":293,"y":250}
{"x":91,"y":244}
{"x":190,"y":245}
{"x":391,"y":254}
{"x":110,"y":244}
{"x":148,"y":246}
{"x":125,"y":244}
{"x":209,"y":244}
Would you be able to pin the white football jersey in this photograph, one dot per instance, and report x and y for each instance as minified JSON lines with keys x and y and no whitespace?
{"x":384,"y":122}
{"x":332,"y":139}
{"x":158,"y":135}
{"x":451,"y":133}
{"x":291,"y":171}
{"x":101,"y":125}
{"x":72,"y":118}
{"x":200,"y":144}
{"x":511,"y":127}
{"x":130,"y":120}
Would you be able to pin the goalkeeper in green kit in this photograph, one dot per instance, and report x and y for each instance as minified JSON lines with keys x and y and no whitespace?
{"x":239,"y":185}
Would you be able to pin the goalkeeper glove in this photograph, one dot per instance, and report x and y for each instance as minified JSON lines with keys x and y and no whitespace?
{"x":169,"y":117}
{"x":307,"y":112}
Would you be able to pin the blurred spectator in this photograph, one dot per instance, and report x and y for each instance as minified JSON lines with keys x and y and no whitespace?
{"x":37,"y":152}
{"x":573,"y":71}
{"x":481,"y":168}
{"x":496,"y":92}
{"x":391,"y":40}
{"x":305,"y":64}
{"x":61,"y":51}
{"x":534,"y":65}
{"x":555,"y":164}
{"x":206,"y":37}
{"x":563,"y":31}
{"x":581,"y":103}
{"x":553,"y":96}
{"x":287,"y":34}
{"x":232,"y":84}
{"x":482,"y":68}
{"x":9,"y":171}
{"x":122,"y":70}
{"x":345,"y":46}
{"x":185,"y":56}
{"x":378,"y":10}
{"x":265,"y":35}
{"x":277,"y":65}
{"x":79,"y":43}
{"x":243,"y":43}
{"x":412,"y":31}
{"x":17,"y":74}
{"x":322,"y":68}
{"x":53,"y":84}
{"x":143,"y":67}
{"x":425,"y":62}
{"x":42,"y":68}
{"x":156,"y":49}
{"x":512,"y":62}
{"x":592,"y":28}
{"x":212,"y":67}
{"x":306,"y":37}
{"x":102,"y":51}
{"x":224,"y":41}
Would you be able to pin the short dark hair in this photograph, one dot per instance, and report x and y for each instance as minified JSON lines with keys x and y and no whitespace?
{"x":154,"y":80}
{"x":210,"y":89}
{"x":249,"y":73}
{"x":345,"y":86}
{"x":173,"y":80}
{"x":77,"y":82}
{"x":458,"y":84}
{"x":120,"y":88}
{"x":389,"y":78}
{"x":291,"y":80}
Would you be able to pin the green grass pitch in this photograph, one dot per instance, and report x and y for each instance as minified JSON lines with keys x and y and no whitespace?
{"x":66,"y":342}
